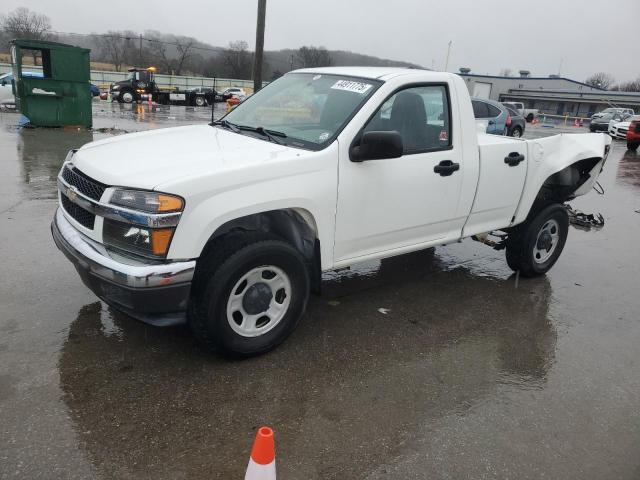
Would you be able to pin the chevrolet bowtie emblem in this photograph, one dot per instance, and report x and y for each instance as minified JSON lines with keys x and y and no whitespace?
{"x":72,"y":193}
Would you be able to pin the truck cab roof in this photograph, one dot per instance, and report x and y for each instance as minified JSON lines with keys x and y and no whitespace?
{"x":380,"y":73}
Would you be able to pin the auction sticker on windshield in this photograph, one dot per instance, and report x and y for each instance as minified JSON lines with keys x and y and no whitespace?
{"x":349,"y":86}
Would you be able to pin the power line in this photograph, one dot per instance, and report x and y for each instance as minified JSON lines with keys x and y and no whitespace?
{"x":155,"y":40}
{"x":138,"y":37}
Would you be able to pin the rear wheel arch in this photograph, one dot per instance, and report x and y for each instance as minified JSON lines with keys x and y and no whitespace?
{"x":560,"y":186}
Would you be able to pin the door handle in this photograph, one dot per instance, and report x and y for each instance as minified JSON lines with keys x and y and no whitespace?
{"x":446,"y":168}
{"x":513,"y":159}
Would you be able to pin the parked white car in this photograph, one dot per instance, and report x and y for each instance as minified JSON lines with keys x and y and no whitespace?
{"x":239,"y":93}
{"x":528,"y":113}
{"x":6,"y":89}
{"x":229,"y":226}
{"x":619,"y":129}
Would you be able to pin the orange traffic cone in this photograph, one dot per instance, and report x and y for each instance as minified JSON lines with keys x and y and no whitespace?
{"x":262,"y":464}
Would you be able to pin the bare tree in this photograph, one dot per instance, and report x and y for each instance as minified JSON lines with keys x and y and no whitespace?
{"x":112,"y":48}
{"x":311,"y":57}
{"x":237,"y":59}
{"x":25,"y":24}
{"x":600,"y":80}
{"x":184,"y":46}
{"x":505,"y":72}
{"x":631,"y":86}
{"x":158,"y":51}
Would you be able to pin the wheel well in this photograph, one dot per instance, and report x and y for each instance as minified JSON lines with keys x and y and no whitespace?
{"x":296,"y":227}
{"x":560,"y":187}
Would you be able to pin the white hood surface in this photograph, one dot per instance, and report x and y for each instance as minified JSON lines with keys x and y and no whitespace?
{"x":147,"y":159}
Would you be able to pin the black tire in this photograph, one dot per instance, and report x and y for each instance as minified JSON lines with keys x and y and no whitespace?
{"x":122,"y":99}
{"x":530,"y":118}
{"x":527,"y":240}
{"x":632,"y":146}
{"x":516,"y":132}
{"x":199,"y":101}
{"x":224,"y":266}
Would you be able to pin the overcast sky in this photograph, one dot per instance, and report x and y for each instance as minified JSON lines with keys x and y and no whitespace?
{"x":585,"y":35}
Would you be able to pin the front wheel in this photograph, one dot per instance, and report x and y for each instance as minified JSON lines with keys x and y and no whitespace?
{"x":251,"y":299}
{"x":534,"y":246}
{"x":126,"y":96}
{"x":200,"y":101}
{"x":632,"y":146}
{"x":530,"y":118}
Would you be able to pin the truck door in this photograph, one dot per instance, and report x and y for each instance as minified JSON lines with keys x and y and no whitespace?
{"x":393,"y":203}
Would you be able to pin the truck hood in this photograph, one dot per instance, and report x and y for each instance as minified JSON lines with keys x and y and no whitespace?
{"x":147,"y":159}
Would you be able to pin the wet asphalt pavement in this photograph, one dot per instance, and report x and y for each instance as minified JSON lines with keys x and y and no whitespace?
{"x":465,"y":373}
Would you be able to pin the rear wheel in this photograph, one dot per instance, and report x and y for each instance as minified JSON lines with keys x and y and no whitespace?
{"x":535,"y":246}
{"x":252,"y":295}
{"x":516,"y":132}
{"x":530,"y":118}
{"x":200,"y":101}
{"x":632,"y":145}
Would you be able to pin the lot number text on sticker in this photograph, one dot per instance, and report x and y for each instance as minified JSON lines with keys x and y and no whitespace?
{"x":349,"y":86}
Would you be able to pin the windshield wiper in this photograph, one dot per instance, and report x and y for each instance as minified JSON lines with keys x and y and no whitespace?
{"x":227,"y":124}
{"x":270,"y":134}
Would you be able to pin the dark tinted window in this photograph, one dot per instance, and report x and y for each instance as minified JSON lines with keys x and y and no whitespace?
{"x":480,"y":109}
{"x":493,"y":111}
{"x":512,"y":112}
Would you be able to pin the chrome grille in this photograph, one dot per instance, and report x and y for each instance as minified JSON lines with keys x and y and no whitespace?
{"x":79,"y":214}
{"x":85,"y":185}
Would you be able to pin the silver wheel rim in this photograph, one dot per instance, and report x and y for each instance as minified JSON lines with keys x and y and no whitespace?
{"x":546,"y":242}
{"x":199,"y":101}
{"x":250,"y":311}
{"x":516,"y":133}
{"x":127,"y":97}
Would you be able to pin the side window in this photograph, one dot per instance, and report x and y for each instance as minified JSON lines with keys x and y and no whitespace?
{"x":480,"y":109}
{"x":493,"y":111}
{"x":420,"y":115}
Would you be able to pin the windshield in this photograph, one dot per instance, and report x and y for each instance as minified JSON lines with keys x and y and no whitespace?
{"x":308,"y":110}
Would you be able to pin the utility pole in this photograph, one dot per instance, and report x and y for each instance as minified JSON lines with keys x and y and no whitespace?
{"x":140,"y":51}
{"x":257,"y":57}
{"x":446,"y":63}
{"x":293,"y":57}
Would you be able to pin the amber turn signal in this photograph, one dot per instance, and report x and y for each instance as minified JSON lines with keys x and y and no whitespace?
{"x":169,"y":203}
{"x":160,"y":240}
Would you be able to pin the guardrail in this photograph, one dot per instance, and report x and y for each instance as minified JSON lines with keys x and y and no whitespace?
{"x":103,"y":78}
{"x":565,"y":120}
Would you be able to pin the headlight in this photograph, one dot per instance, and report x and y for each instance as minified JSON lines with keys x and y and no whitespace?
{"x":137,"y":239}
{"x":151,"y":202}
{"x":148,"y":242}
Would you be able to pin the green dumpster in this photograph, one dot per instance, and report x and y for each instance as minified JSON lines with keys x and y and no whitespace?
{"x":61,"y":96}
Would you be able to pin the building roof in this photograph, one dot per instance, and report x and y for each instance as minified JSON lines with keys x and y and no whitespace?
{"x":531,"y":78}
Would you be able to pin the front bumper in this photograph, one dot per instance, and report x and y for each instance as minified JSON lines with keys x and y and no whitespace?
{"x":619,"y":134}
{"x":599,"y":127}
{"x":157,"y":293}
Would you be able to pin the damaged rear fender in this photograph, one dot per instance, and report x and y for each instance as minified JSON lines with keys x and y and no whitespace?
{"x":560,"y":168}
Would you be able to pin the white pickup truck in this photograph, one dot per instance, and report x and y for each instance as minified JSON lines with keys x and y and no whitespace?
{"x":528,"y":113}
{"x":229,"y":226}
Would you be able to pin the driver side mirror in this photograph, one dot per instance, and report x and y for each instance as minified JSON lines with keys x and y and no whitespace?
{"x":377,"y":145}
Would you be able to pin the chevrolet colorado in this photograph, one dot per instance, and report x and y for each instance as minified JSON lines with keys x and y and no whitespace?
{"x":228,"y":226}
